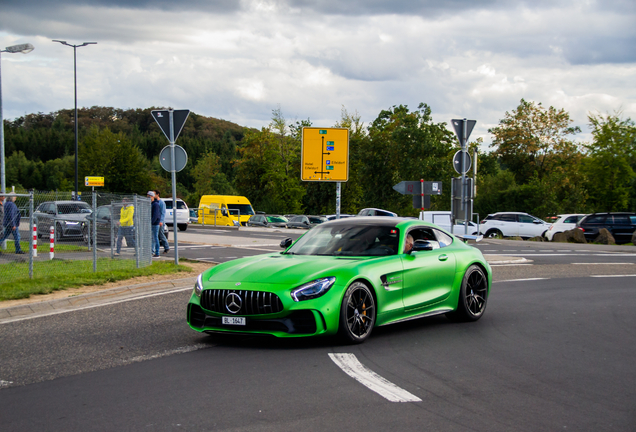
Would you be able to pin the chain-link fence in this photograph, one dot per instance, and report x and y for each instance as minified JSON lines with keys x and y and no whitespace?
{"x":49,"y":234}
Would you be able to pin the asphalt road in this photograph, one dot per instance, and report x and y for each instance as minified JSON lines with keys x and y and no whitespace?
{"x":554,"y":351}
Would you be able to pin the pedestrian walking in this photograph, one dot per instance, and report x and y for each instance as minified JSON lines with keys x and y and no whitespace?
{"x":155,"y":219}
{"x":11,"y":223}
{"x":163,"y":241}
{"x":126,"y":225}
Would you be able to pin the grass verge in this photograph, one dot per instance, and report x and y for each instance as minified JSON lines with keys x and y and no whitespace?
{"x":52,"y":276}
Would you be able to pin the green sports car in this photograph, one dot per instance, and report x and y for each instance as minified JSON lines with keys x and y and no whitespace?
{"x":344,"y":277}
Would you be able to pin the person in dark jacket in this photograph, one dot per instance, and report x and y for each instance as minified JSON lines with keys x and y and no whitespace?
{"x":11,"y":223}
{"x":155,"y":220}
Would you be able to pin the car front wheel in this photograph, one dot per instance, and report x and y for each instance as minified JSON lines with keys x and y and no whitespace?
{"x":182,"y":227}
{"x":473,"y":295}
{"x":357,"y":313}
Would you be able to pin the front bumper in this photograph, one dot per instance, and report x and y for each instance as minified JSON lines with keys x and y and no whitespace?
{"x":293,"y":324}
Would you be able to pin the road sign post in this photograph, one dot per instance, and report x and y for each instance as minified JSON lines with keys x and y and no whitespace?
{"x":421,"y":191}
{"x":171,"y":122}
{"x":463,"y":128}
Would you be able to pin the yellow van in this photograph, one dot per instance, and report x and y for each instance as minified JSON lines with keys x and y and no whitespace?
{"x":226,"y":208}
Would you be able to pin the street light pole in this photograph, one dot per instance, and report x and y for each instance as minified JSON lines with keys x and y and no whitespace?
{"x":75,"y":85}
{"x":24,"y":49}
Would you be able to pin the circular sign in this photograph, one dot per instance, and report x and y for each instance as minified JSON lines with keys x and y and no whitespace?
{"x":180,"y":158}
{"x":457,"y":162}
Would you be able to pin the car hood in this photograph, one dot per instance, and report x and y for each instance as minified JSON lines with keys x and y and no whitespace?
{"x":281,"y":269}
{"x":77,"y":217}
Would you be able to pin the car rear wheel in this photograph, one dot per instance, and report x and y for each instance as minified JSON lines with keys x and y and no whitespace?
{"x":494,"y":233}
{"x":473,"y":295}
{"x":182,"y":227}
{"x":357,"y":313}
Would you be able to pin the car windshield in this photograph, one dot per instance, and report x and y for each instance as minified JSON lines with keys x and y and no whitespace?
{"x":180,"y":205}
{"x":73,"y":208}
{"x":348,"y":240}
{"x":245,"y":209}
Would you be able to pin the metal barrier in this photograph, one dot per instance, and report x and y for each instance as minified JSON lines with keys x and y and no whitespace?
{"x":80,"y":236}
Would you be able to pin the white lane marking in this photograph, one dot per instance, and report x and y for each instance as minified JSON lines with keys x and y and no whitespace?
{"x":625,"y":263}
{"x":521,"y":280}
{"x":633,"y":275}
{"x":365,"y":376}
{"x":58,"y":312}
{"x":166,"y":353}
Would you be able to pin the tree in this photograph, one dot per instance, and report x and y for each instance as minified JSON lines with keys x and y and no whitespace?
{"x":113,"y":156}
{"x":403,"y":145}
{"x":209,"y":179}
{"x":533,"y":139}
{"x":610,"y":163}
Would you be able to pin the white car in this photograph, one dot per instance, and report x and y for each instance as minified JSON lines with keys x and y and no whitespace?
{"x":183,"y":213}
{"x":564,"y":223}
{"x":376,"y":212}
{"x":442,"y":219}
{"x":512,"y":224}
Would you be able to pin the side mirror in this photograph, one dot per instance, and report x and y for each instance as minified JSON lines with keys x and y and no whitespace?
{"x":537,"y":222}
{"x":421,"y":245}
{"x":286,"y":243}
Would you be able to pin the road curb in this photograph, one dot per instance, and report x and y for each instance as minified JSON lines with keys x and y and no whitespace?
{"x":50,"y":307}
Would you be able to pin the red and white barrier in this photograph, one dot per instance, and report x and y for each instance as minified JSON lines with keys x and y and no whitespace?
{"x":52,"y":252}
{"x":35,"y":240}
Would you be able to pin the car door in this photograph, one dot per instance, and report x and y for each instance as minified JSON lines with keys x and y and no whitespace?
{"x":104,"y":223}
{"x":528,"y":227}
{"x":620,"y":228}
{"x":428,"y":275}
{"x":44,"y":215}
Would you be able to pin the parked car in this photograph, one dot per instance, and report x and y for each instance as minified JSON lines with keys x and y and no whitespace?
{"x":313,"y":291}
{"x":342,"y":216}
{"x":194,"y":218}
{"x":512,"y":224}
{"x":183,"y":213}
{"x":442,"y":218}
{"x":563,"y":222}
{"x":105,"y":223}
{"x":376,"y":212}
{"x":66,"y":216}
{"x":305,"y":222}
{"x":620,"y":224}
{"x":269,"y":221}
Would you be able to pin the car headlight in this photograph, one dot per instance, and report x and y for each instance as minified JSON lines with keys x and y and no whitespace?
{"x":198,"y":286}
{"x":313,"y":289}
{"x":72,"y":223}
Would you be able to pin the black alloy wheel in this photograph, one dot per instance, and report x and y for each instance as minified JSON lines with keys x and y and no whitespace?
{"x":473,"y":295}
{"x":58,"y":232}
{"x":357,"y":313}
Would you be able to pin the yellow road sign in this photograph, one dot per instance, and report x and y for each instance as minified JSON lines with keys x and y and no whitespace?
{"x":324,"y":154}
{"x":93,"y":181}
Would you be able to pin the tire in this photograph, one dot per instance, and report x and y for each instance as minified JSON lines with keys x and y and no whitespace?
{"x":86,"y":236}
{"x":473,"y":296}
{"x":182,"y":227}
{"x":58,"y":233}
{"x":357,"y":314}
{"x":493,"y":233}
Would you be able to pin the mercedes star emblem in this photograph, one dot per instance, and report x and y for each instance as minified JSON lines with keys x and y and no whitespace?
{"x":233,"y":303}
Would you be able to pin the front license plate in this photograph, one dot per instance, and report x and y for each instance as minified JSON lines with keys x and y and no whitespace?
{"x":234,"y":320}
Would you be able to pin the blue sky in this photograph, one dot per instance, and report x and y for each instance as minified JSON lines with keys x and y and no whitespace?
{"x":239,"y":60}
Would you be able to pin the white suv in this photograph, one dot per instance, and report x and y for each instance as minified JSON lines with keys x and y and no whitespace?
{"x":183,"y":213}
{"x":512,"y":224}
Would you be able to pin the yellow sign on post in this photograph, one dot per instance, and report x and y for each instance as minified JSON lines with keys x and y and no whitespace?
{"x":93,"y":181}
{"x":324,"y":154}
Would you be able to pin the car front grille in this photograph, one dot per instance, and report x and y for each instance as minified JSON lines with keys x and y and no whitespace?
{"x":252,"y":302}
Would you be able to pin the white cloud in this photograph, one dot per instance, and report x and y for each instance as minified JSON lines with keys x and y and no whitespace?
{"x":238,"y":61}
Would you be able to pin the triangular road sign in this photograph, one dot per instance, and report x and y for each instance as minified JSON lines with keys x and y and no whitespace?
{"x":162,"y":117}
{"x":458,"y":125}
